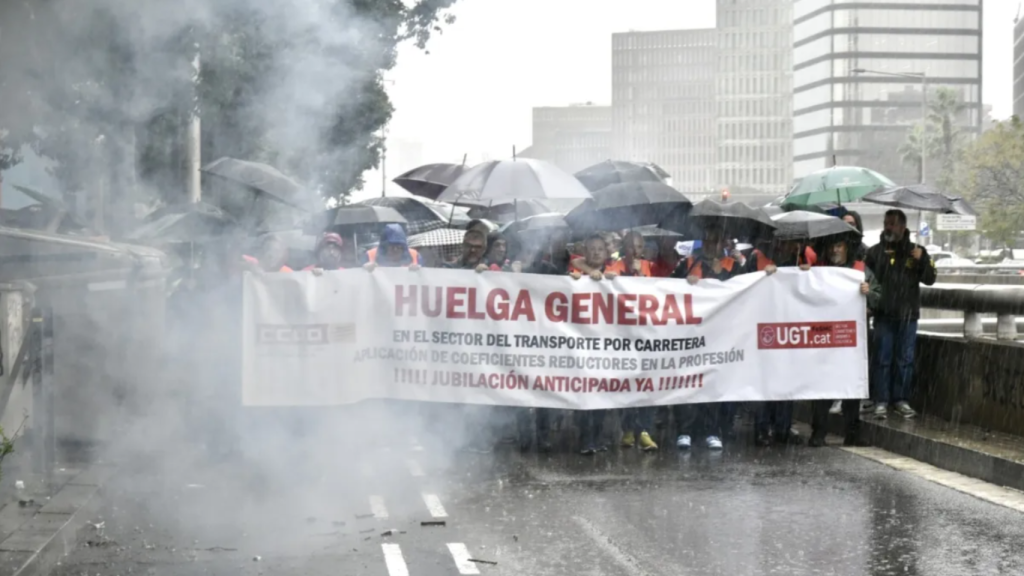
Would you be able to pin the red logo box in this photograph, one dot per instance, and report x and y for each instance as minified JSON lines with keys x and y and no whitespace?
{"x":789,"y":335}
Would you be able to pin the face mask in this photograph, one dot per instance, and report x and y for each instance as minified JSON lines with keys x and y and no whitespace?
{"x":836,"y":258}
{"x":889,"y":237}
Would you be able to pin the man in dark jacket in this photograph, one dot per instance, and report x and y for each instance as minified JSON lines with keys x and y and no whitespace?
{"x":901,"y":267}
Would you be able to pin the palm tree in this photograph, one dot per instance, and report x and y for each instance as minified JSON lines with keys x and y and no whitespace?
{"x":944,"y":108}
{"x":920,"y":138}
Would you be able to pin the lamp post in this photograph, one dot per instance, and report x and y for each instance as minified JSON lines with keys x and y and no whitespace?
{"x":923,"y":78}
{"x":384,"y":150}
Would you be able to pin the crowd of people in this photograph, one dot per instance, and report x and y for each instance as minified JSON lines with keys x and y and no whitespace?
{"x":893,"y":271}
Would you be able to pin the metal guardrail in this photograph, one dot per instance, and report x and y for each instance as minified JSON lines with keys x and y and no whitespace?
{"x":980,"y":268}
{"x":1006,"y":302}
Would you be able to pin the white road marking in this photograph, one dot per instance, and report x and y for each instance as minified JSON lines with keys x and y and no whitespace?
{"x":394,"y":560}
{"x":630,"y":564}
{"x":971,"y":486}
{"x":377,"y":507}
{"x":414,"y":468}
{"x":434,"y":505}
{"x":461,"y":555}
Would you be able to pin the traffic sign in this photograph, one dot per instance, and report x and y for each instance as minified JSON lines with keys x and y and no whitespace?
{"x":956,"y":222}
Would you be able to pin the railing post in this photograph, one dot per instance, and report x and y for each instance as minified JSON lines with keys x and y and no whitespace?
{"x":972,"y":325}
{"x":1006,"y":327}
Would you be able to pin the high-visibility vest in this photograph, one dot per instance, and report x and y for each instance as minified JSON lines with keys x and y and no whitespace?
{"x":619,"y":267}
{"x":697,"y":270}
{"x":762,"y":260}
{"x":371,"y":255}
{"x":253,"y":260}
{"x":859,"y":265}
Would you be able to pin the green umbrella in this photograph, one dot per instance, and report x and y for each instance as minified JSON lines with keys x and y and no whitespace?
{"x":837,"y":184}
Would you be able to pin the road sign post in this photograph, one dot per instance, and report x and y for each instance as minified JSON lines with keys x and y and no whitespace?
{"x":956,"y":223}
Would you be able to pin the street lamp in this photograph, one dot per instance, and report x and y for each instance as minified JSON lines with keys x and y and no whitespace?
{"x":923,"y":78}
{"x":384,"y":150}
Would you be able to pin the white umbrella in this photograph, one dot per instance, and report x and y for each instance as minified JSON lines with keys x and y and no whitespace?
{"x":505,"y":181}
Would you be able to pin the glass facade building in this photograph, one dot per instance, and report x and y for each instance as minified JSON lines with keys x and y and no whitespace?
{"x":572,"y":137}
{"x":755,"y":95}
{"x":663,"y":103}
{"x":850,"y":101}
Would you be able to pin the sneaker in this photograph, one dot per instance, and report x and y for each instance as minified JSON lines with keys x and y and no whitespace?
{"x":816,"y":441}
{"x":791,"y":437}
{"x":646,"y":444}
{"x":588,"y":451}
{"x":714,"y":443}
{"x":881,"y":410}
{"x":904,"y":409}
{"x":628,"y":440}
{"x":837,"y":407}
{"x":867,"y":406}
{"x":683,"y":442}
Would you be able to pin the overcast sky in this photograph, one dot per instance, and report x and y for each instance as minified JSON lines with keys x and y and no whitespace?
{"x":473,"y":93}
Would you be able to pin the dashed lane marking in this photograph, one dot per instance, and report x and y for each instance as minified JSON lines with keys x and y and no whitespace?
{"x":461,"y":555}
{"x":434,"y":505}
{"x":394,"y":560}
{"x":415,"y":469}
{"x":1007,"y":497}
{"x":377,"y":507}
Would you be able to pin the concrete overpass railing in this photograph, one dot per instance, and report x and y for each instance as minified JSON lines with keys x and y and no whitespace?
{"x":974,"y":300}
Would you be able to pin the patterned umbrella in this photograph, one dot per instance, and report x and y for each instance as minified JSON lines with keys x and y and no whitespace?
{"x":447,"y":241}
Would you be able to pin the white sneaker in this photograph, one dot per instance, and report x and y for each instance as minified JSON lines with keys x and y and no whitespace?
{"x":904,"y":409}
{"x":837,"y":407}
{"x":881,"y":410}
{"x":714,"y":443}
{"x":683,"y":442}
{"x":867,"y":406}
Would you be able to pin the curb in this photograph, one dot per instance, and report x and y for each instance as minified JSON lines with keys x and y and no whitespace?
{"x":46,"y":535}
{"x":963,"y":460}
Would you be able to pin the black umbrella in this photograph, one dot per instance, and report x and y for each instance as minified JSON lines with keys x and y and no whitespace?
{"x":422,"y":215}
{"x":430,"y":180}
{"x":737,"y":218}
{"x":509,"y":212}
{"x":541,"y":223}
{"x":611,"y":172}
{"x":801,"y":225}
{"x":920,"y":197}
{"x":179,"y":223}
{"x":264,"y":179}
{"x":627,"y":205}
{"x":353,"y":219}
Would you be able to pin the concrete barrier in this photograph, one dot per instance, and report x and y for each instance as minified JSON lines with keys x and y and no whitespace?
{"x":971,"y":381}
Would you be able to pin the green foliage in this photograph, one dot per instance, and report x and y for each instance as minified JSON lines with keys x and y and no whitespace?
{"x":989,"y":172}
{"x":938,"y":135}
{"x":6,"y":449}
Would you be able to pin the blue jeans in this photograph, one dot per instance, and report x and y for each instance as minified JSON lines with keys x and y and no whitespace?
{"x":774,"y":417}
{"x":893,"y":369}
{"x":638,"y":420}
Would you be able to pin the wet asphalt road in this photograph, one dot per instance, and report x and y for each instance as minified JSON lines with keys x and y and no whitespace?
{"x":789,"y":511}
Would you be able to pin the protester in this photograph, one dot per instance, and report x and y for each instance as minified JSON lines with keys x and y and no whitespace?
{"x":271,"y":254}
{"x":708,"y":262}
{"x":474,"y":246}
{"x":853,"y":218}
{"x":393,"y":250}
{"x":330,"y":251}
{"x":840,"y":251}
{"x":773,"y":421}
{"x":901,"y":267}
{"x":592,"y":421}
{"x":497,"y":252}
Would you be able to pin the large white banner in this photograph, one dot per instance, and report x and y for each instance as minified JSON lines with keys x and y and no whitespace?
{"x":551,"y":341}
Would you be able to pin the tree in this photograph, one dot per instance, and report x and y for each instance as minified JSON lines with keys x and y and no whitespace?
{"x":296,"y":84}
{"x":990,"y":172}
{"x":920,"y":138}
{"x":944,"y":109}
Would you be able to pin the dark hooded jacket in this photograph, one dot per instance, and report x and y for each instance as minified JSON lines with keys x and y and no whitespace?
{"x":900,"y":277}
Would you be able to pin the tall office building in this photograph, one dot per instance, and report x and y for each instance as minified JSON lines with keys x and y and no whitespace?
{"x":663,"y":103}
{"x":1018,"y":67}
{"x":572,"y":137}
{"x":859,"y":69}
{"x":755,"y":85}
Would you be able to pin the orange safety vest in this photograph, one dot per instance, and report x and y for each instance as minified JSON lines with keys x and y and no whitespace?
{"x":619,"y":267}
{"x":691,"y":270}
{"x":859,"y":265}
{"x":371,"y":255}
{"x":762,"y":260}
{"x":253,"y":260}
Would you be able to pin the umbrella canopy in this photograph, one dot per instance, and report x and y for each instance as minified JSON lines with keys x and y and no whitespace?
{"x":441,"y":237}
{"x":611,"y":172}
{"x":178,"y":223}
{"x":505,"y":181}
{"x":738,"y":218}
{"x":837,"y":184}
{"x":920,"y":197}
{"x":264,"y":179}
{"x":627,"y":205}
{"x":353,"y":219}
{"x":655,"y":232}
{"x":511,"y":212}
{"x":551,"y":222}
{"x":800,"y":225}
{"x":428,"y":181}
{"x":421,"y":214}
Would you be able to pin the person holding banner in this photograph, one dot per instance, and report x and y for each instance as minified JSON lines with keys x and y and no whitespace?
{"x":708,"y":262}
{"x":592,"y":421}
{"x":842,"y":251}
{"x":329,"y":254}
{"x":474,"y":246}
{"x":393,"y":250}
